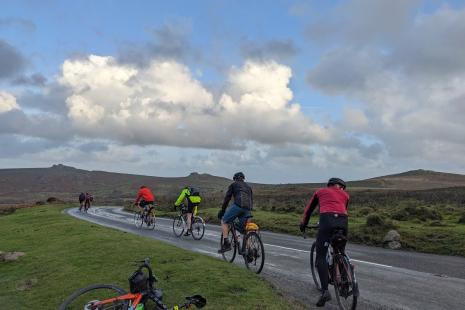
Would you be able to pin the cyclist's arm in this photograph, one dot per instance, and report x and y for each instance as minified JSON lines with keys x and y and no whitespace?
{"x":309,"y":209}
{"x":181,"y":198}
{"x":227,"y":198}
{"x":139,"y":195}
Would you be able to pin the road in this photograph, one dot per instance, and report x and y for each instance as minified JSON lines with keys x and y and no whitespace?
{"x":388,"y":279}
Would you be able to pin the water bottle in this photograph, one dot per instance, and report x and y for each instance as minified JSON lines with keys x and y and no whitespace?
{"x":140,"y":307}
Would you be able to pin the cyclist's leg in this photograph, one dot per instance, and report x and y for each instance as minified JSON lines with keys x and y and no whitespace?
{"x":231,"y":213}
{"x":190,"y":209}
{"x":322,"y":241}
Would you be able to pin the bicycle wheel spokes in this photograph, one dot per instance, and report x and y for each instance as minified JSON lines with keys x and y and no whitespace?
{"x":198,"y":228}
{"x":229,"y":255}
{"x":254,"y":255}
{"x":138,"y":220}
{"x":85,"y":297}
{"x":345,"y":285}
{"x":178,"y":226}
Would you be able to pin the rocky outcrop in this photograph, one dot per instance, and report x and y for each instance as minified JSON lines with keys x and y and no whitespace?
{"x":392,"y":240}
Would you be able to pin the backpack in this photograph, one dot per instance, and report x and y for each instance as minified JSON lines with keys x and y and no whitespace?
{"x":82,"y":197}
{"x":194,"y":191}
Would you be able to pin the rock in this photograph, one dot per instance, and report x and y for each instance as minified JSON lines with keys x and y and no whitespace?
{"x":10,"y":256}
{"x":394,"y":245}
{"x":391,"y":235}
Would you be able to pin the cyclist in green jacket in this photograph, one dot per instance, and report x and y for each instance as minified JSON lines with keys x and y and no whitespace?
{"x":193,"y":198}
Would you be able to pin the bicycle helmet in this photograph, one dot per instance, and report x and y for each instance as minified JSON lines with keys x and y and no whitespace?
{"x":238,"y":176}
{"x":334,"y":181}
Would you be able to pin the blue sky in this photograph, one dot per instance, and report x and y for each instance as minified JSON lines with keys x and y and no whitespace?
{"x":288,"y":91}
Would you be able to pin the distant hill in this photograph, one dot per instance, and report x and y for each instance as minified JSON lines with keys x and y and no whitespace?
{"x":413,"y":180}
{"x":64,"y":182}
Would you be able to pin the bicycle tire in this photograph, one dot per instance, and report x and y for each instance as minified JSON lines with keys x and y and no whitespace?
{"x":152,"y":220}
{"x":198,"y":228}
{"x":138,"y":220}
{"x":229,"y":256}
{"x":254,"y":251}
{"x":314,"y":269}
{"x":345,"y":284}
{"x":66,"y":305}
{"x":178,"y":226}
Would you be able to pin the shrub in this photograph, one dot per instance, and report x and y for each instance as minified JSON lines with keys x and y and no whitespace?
{"x":375,"y":219}
{"x":462,"y":219}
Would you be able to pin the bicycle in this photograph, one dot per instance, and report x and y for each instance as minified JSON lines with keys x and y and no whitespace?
{"x":142,"y":292}
{"x":251,"y":249}
{"x":340,"y":269}
{"x":145,"y":216}
{"x":180,"y":223}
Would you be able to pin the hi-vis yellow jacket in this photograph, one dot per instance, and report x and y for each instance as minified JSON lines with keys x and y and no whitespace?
{"x":192,"y":196}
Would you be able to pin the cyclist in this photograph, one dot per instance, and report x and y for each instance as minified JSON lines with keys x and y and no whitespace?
{"x":243,"y":203}
{"x":193,"y":198}
{"x":82,"y":198}
{"x":88,"y":198}
{"x":144,"y":198}
{"x":333,"y":202}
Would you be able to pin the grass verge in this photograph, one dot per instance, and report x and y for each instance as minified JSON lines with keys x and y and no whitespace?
{"x":64,"y":254}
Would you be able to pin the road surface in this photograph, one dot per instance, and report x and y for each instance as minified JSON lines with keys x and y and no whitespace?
{"x":388,"y":279}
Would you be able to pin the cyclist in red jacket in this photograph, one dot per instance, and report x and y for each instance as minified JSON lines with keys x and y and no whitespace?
{"x":144,"y":197}
{"x":333,"y":202}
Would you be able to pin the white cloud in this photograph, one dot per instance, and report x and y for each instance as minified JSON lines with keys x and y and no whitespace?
{"x":165,"y":104}
{"x":7,"y":102}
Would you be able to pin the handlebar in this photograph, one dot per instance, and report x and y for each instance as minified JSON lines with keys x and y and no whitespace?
{"x":146,"y":264}
{"x":315,"y":226}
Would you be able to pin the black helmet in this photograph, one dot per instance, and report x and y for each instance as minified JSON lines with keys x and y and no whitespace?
{"x":238,"y":176}
{"x":334,"y":181}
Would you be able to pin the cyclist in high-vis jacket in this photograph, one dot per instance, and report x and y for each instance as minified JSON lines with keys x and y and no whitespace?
{"x":193,"y":198}
{"x":333,"y":202}
{"x":241,"y":208}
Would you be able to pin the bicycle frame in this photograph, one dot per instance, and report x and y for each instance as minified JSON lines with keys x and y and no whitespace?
{"x":134,"y":298}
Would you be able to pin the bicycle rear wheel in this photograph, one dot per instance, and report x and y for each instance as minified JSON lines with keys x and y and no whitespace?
{"x":178,"y":226}
{"x":315,"y":276}
{"x":254,"y":255}
{"x":345,"y":284}
{"x":151,"y":219}
{"x":198,"y":228}
{"x":138,"y":219}
{"x":97,"y":292}
{"x":229,"y":255}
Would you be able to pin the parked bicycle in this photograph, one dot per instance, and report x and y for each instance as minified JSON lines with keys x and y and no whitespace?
{"x":180,"y":223}
{"x":145,"y":216}
{"x":251,"y":247}
{"x":340,"y":269}
{"x":142,"y":295}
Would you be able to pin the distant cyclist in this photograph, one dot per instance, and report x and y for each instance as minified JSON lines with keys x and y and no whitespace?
{"x":192,"y":195}
{"x":88,"y":199}
{"x":144,"y":197}
{"x":241,"y":208}
{"x":333,"y":202}
{"x":82,"y":198}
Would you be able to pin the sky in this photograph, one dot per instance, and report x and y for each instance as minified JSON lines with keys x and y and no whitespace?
{"x":285,"y":91}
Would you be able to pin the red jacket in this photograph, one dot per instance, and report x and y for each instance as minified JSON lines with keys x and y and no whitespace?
{"x":145,"y":194}
{"x":331,"y":200}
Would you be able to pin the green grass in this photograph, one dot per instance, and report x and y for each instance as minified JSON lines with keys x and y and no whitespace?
{"x":64,"y":254}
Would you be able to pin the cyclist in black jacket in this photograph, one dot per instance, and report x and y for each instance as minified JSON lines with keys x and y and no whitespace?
{"x":243,"y":203}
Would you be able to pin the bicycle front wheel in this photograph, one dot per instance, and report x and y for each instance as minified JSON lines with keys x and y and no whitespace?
{"x":178,"y":226}
{"x":84,"y":297}
{"x":345,"y":284}
{"x":254,"y":255}
{"x":138,"y":219}
{"x":229,"y":255}
{"x":315,"y":276}
{"x":198,"y":228}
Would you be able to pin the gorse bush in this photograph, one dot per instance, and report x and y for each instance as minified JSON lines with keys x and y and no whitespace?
{"x":462,"y":219}
{"x":374,"y":219}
